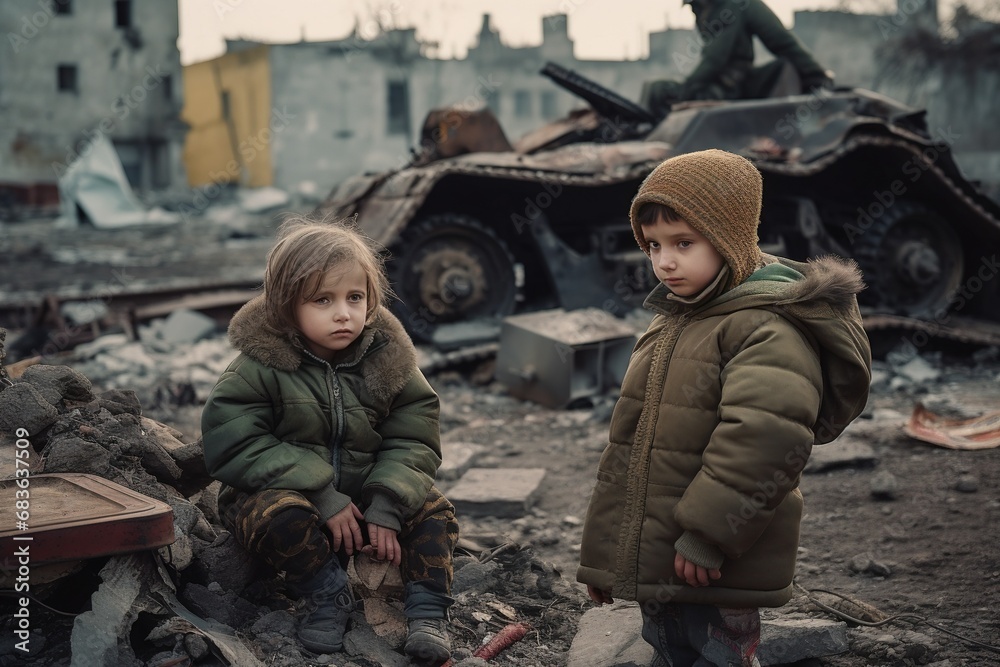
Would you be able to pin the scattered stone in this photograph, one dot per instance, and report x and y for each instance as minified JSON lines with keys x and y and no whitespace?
{"x":880,"y":378}
{"x":918,"y":370}
{"x":845,"y":451}
{"x":884,"y":485}
{"x":571,"y":520}
{"x":500,"y":492}
{"x":610,"y":635}
{"x":120,"y":401}
{"x":361,"y":640}
{"x":967,"y":484}
{"x":196,"y":646}
{"x":788,"y":640}
{"x":280,"y":622}
{"x":226,"y":608}
{"x":475,"y":577}
{"x":865,"y":564}
{"x":23,"y":406}
{"x":185,"y":327}
{"x":456,"y":459}
{"x":58,"y":383}
{"x":69,"y":453}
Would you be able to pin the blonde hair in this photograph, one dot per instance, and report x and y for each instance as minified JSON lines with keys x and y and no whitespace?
{"x":305,"y":251}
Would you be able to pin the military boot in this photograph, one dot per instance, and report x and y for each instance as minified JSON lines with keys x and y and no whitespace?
{"x":427,"y":639}
{"x":426,"y":610}
{"x":328,"y":604}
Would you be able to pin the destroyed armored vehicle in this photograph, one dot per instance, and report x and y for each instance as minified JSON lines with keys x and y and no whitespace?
{"x":478,"y":228}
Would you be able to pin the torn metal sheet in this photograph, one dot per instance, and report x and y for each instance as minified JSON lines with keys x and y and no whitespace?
{"x":114,"y":607}
{"x":96,"y":184}
{"x":981,"y":432}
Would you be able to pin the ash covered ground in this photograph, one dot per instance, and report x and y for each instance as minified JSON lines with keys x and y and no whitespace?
{"x":901,"y":525}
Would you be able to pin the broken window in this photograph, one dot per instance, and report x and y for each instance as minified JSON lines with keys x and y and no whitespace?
{"x":398,"y":107}
{"x":123,"y":13}
{"x":63,"y":7}
{"x":522,"y":103}
{"x":167,"y":83}
{"x":549,"y":109}
{"x":66,"y":78}
{"x":225,"y":104}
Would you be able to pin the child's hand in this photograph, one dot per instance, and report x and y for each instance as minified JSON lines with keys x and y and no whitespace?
{"x":345,"y":528}
{"x":384,"y":544}
{"x":694,"y":575}
{"x":599,"y":596}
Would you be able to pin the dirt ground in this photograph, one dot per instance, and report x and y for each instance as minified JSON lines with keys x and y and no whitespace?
{"x":929,"y":551}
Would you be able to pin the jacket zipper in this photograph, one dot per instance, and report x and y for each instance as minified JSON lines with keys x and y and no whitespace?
{"x":333,"y":387}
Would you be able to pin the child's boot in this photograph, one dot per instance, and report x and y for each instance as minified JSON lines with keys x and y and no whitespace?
{"x":329,"y":604}
{"x":426,"y":611}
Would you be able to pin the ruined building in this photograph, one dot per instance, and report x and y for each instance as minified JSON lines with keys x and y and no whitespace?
{"x":313,"y":113}
{"x":74,"y":70}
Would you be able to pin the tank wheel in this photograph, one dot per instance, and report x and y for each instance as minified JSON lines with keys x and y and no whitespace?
{"x":912,"y":260}
{"x":447,"y":268}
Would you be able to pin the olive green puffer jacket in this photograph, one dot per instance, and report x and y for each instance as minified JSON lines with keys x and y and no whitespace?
{"x":364,"y":428}
{"x":719,"y":409}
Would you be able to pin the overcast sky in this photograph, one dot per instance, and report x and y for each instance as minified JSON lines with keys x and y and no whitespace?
{"x":601,"y":29}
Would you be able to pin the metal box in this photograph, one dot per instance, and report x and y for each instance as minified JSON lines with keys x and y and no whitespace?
{"x":74,"y":516}
{"x":555,"y":357}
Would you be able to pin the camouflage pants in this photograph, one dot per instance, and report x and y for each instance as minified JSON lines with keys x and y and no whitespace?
{"x":285,"y":530}
{"x":700,"y":635}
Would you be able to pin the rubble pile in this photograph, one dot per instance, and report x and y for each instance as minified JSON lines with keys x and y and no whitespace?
{"x":202,"y":596}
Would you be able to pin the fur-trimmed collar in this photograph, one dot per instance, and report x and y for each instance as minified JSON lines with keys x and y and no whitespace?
{"x":385,"y":373}
{"x":829,"y":278}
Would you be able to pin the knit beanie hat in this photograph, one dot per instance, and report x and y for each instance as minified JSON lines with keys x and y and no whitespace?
{"x":717,"y":193}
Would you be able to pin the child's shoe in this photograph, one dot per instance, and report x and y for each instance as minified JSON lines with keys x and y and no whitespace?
{"x":427,"y":639}
{"x":329,"y":604}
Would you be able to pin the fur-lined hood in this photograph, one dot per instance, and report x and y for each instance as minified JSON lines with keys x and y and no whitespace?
{"x":819,"y":298}
{"x":385,"y":373}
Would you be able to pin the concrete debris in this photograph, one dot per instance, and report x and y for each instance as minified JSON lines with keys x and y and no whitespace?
{"x":967,"y":484}
{"x":610,"y":635}
{"x":258,"y":200}
{"x":884,"y":485}
{"x":184,"y":327}
{"x":230,"y":593}
{"x":456,"y":459}
{"x":866,"y":564}
{"x":23,"y":406}
{"x":84,"y":312}
{"x":501,"y":492}
{"x":918,"y":370}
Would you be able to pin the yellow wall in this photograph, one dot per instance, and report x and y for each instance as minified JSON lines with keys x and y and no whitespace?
{"x":237,"y":150}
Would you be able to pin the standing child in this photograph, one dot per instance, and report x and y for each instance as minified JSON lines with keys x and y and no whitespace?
{"x":749,"y":361}
{"x":324,"y":424}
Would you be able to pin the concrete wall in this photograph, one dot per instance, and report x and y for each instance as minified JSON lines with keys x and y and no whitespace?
{"x":232,"y":144}
{"x":128,"y":87}
{"x":961,"y":99}
{"x":336,"y":94}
